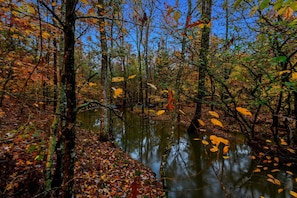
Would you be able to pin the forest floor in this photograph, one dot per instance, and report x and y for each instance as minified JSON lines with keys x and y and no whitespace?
{"x":101,"y":169}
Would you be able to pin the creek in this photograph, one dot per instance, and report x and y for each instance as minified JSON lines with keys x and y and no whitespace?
{"x":191,"y":170}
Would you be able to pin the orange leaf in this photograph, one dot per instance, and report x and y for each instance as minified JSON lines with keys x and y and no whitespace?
{"x":216,"y":122}
{"x":170,"y":105}
{"x":243,"y":111}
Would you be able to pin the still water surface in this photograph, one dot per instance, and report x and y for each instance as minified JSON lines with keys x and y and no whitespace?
{"x":192,"y":172}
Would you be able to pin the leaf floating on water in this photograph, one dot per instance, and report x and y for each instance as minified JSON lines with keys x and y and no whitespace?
{"x":280,"y":190}
{"x":160,"y":112}
{"x":289,"y":172}
{"x":243,"y":111}
{"x":293,"y":193}
{"x":201,"y":122}
{"x":214,"y":114}
{"x":257,"y":170}
{"x":205,"y":142}
{"x":217,"y":122}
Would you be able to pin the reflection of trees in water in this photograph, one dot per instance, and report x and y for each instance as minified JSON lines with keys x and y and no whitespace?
{"x":191,"y":171}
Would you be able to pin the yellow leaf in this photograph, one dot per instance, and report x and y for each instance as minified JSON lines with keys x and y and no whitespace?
{"x":293,"y":193}
{"x":270,"y":176}
{"x":84,"y":1}
{"x":253,"y":157}
{"x":117,"y":79}
{"x":225,"y":150}
{"x":202,"y":130}
{"x":294,"y":75}
{"x":214,"y":149}
{"x":283,"y":142}
{"x":152,"y":86}
{"x":277,"y":182}
{"x":289,"y":172}
{"x":253,"y":10}
{"x":214,"y":114}
{"x":182,"y":112}
{"x":275,"y":170}
{"x":201,"y":122}
{"x":176,"y":16}
{"x":288,"y":13}
{"x":291,"y":150}
{"x":31,"y":9}
{"x":268,"y":141}
{"x":216,"y":122}
{"x":283,"y":72}
{"x":243,"y":111}
{"x":205,"y":142}
{"x":132,"y":76}
{"x":265,"y":168}
{"x":280,"y":190}
{"x":196,"y":139}
{"x":271,"y":180}
{"x":45,"y":35}
{"x":54,"y":4}
{"x":226,"y":157}
{"x":117,"y":92}
{"x":91,"y":84}
{"x":289,"y":164}
{"x":296,"y":179}
{"x":257,"y":170}
{"x":160,"y":112}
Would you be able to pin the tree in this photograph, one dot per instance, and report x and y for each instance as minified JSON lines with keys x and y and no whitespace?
{"x":206,"y":7}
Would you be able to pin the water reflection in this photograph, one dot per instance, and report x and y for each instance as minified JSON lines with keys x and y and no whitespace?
{"x":192,"y":171}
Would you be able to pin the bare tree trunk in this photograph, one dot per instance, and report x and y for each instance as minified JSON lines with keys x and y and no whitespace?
{"x":68,"y":133}
{"x":206,"y":17}
{"x":104,"y":67}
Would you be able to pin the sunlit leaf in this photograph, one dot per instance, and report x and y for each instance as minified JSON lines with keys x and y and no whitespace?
{"x":293,"y":193}
{"x":257,"y":170}
{"x":266,"y":147}
{"x":117,"y":92}
{"x":91,"y":84}
{"x":289,"y":164}
{"x":296,"y":179}
{"x":201,"y":122}
{"x":152,"y":86}
{"x":214,"y":149}
{"x":275,"y":170}
{"x":294,"y":75}
{"x":276,"y":159}
{"x":205,"y":142}
{"x":268,"y":157}
{"x":270,"y":176}
{"x":226,"y":157}
{"x":291,"y":150}
{"x":216,"y":122}
{"x":265,"y":168}
{"x":160,"y":112}
{"x":289,"y":172}
{"x":214,"y":114}
{"x":132,"y":76}
{"x":271,"y":180}
{"x":45,"y":35}
{"x":196,"y":139}
{"x":277,"y":182}
{"x":243,"y":111}
{"x":84,"y":1}
{"x":253,"y":157}
{"x":117,"y":79}
{"x":268,"y":141}
{"x":280,"y":190}
{"x":288,"y":13}
{"x":284,"y":72}
{"x":182,"y":112}
{"x":176,"y":15}
{"x":225,"y":150}
{"x":283,"y":142}
{"x":202,"y":130}
{"x":31,"y":9}
{"x":253,"y":10}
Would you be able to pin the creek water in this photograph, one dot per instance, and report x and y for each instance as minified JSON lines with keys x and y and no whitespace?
{"x":192,"y":171}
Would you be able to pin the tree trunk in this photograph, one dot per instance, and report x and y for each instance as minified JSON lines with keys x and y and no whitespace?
{"x":68,"y":133}
{"x":104,"y":67}
{"x":206,"y":17}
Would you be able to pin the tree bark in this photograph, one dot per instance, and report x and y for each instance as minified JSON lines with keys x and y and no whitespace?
{"x":68,"y":133}
{"x":206,"y":17}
